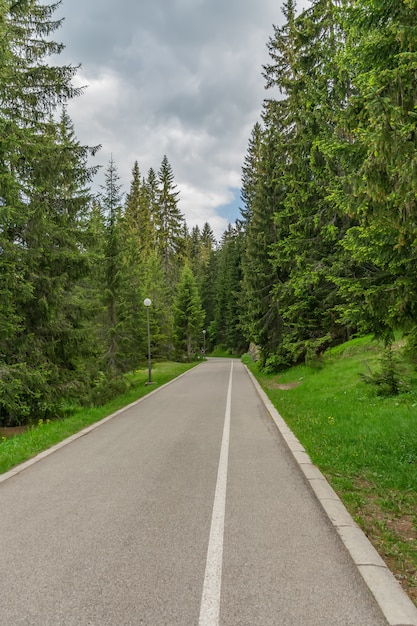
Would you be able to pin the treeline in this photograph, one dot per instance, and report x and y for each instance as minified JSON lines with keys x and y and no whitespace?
{"x":328,"y":235}
{"x":76,"y":267}
{"x":326,"y":245}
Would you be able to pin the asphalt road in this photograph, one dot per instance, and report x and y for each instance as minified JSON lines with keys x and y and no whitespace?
{"x":187,"y":509}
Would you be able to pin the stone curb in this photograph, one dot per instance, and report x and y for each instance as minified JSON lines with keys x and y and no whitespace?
{"x":394,"y":603}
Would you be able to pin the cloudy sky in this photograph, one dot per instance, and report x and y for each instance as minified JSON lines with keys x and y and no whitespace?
{"x":175,"y":77}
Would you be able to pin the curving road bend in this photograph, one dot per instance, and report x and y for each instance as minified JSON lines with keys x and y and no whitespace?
{"x":186,"y":509}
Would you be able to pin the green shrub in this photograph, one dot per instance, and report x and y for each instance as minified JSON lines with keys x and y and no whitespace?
{"x":106,"y":388}
{"x":390,"y":378}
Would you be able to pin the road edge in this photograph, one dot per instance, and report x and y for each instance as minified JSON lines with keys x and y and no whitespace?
{"x":26,"y":464}
{"x":397,"y":608}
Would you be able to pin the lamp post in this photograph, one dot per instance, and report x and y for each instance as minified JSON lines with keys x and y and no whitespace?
{"x":147,"y":302}
{"x":204,"y":343}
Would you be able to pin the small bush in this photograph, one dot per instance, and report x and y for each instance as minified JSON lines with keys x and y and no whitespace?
{"x":106,"y":388}
{"x":24,"y":392}
{"x":388,"y":379}
{"x":314,"y":351}
{"x":275,"y":363}
{"x":410,"y":350}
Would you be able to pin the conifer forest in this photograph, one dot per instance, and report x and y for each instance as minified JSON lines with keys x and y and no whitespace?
{"x":325,"y":248}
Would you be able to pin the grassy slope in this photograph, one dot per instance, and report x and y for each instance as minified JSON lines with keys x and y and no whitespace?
{"x":364,"y":444}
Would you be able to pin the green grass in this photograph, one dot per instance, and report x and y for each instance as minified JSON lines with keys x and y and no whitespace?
{"x":366,"y":445}
{"x":226,"y":353}
{"x":37,"y":438}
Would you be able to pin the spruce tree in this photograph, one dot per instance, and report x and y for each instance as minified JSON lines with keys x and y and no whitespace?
{"x":308,"y":224}
{"x":380,"y":57}
{"x":260,"y":318}
{"x":112,"y":203}
{"x":43,"y":176}
{"x":169,"y":219}
{"x":188,"y":315}
{"x":225,"y":330}
{"x":138,"y":215}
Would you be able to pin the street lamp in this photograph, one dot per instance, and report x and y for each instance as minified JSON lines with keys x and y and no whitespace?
{"x":147,"y":302}
{"x":204,"y":343}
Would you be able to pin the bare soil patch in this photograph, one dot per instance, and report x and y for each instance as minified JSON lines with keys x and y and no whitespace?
{"x":387,"y":531}
{"x":283,"y":386}
{"x":11,"y":431}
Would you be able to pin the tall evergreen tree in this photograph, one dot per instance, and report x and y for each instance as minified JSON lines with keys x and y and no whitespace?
{"x":195,"y":254}
{"x":169,"y":219}
{"x":58,"y":321}
{"x":208,"y":239}
{"x":138,"y":215}
{"x":308,"y":225}
{"x":155,"y":287}
{"x":151,"y":189}
{"x":225,"y":329}
{"x":188,"y":314}
{"x":112,"y":203}
{"x":42,"y":175}
{"x":260,"y":317}
{"x":381,"y":56}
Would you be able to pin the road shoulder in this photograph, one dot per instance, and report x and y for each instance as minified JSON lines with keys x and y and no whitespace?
{"x":394,"y":603}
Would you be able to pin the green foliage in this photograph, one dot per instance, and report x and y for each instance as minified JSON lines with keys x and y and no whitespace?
{"x":260,"y":317}
{"x":389,"y":379}
{"x":188,"y":316}
{"x":75,"y":269}
{"x":104,"y":388}
{"x":410,"y":349}
{"x":326,"y":246}
{"x":291,"y":227}
{"x":315,"y":349}
{"x":329,"y":222}
{"x":168,"y":218}
{"x":47,"y":347}
{"x":275,"y":363}
{"x":346,"y":427}
{"x":24,"y":392}
{"x":138,"y":214}
{"x":381,"y":56}
{"x":225,"y":329}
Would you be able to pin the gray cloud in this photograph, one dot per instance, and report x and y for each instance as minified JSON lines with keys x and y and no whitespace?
{"x":175,"y":77}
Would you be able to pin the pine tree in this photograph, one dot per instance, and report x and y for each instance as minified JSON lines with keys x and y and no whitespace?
{"x":195,"y":255}
{"x":151,"y":189}
{"x":381,"y":55}
{"x":308,"y":225}
{"x":188,"y":314}
{"x":112,"y":203}
{"x":203,"y":265}
{"x":208,"y":240}
{"x":250,"y":171}
{"x":260,"y":317}
{"x":43,"y":172}
{"x":169,"y":219}
{"x":209,"y":294}
{"x":138,"y":216}
{"x":59,"y":318}
{"x":155,"y":287}
{"x":225,"y":330}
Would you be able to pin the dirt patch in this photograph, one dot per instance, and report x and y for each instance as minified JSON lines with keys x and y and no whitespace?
{"x":282,"y":386}
{"x":11,"y":431}
{"x":394,"y":536}
{"x":403,"y":527}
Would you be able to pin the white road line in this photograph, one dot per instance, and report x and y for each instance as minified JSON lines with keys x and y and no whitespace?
{"x":210,"y":602}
